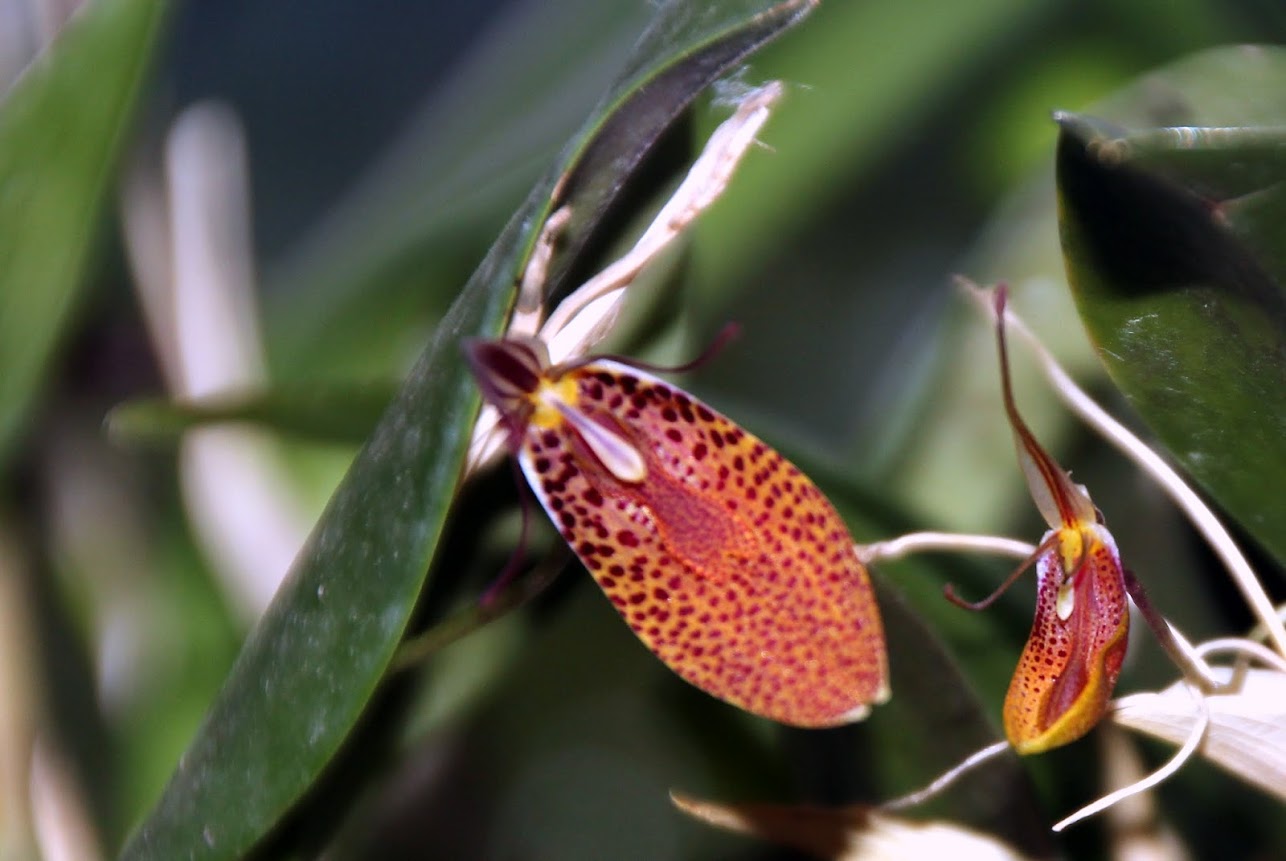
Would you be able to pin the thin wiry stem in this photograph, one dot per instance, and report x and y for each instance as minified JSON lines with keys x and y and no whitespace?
{"x":511,"y":595}
{"x":1180,"y":651}
{"x":1194,"y":740}
{"x":1175,"y":487}
{"x":1244,"y":648}
{"x":945,"y":780}
{"x":922,"y":542}
{"x":949,"y":591}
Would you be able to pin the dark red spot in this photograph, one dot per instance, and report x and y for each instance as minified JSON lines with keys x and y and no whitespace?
{"x":660,"y":594}
{"x":738,"y":464}
{"x":699,"y":451}
{"x":669,"y":414}
{"x":673,"y":435}
{"x":627,"y":538}
{"x":704,"y":413}
{"x":593,"y":497}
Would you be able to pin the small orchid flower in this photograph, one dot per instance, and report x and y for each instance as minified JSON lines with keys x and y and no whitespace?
{"x":1073,"y":655}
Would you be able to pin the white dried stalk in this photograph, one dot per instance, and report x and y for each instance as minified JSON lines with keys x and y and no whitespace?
{"x":585,"y":317}
{"x":948,"y":778}
{"x":1194,"y":740}
{"x":925,"y":542}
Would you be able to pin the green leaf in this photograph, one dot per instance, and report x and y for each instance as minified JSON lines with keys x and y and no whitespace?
{"x":61,"y":128}
{"x":1175,"y":247}
{"x":332,"y":412}
{"x":310,"y":668}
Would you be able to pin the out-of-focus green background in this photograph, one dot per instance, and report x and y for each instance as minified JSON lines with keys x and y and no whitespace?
{"x":387,"y":144}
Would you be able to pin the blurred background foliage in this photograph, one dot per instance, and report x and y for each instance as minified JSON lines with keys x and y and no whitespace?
{"x":387,"y":145}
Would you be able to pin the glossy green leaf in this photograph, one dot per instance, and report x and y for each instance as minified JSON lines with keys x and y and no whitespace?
{"x":61,"y":129}
{"x":311,"y":666}
{"x":1175,"y":242}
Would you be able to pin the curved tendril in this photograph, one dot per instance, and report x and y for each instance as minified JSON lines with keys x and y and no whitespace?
{"x":1194,"y":740}
{"x":1243,"y":648}
{"x":730,"y":331}
{"x":514,"y":565}
{"x":948,"y":778}
{"x":949,"y":591}
{"x":952,"y":542}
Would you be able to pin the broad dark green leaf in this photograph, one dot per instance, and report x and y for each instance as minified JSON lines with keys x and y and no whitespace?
{"x":61,"y":128}
{"x":1175,"y":243}
{"x":311,"y":666}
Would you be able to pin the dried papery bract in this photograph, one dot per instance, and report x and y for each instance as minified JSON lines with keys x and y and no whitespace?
{"x":584,"y":318}
{"x":852,"y":833}
{"x":724,"y":559}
